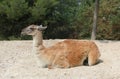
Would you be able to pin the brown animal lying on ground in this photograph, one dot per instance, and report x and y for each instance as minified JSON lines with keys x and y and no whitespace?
{"x":65,"y":54}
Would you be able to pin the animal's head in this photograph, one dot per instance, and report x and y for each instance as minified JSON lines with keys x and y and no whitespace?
{"x":32,"y":29}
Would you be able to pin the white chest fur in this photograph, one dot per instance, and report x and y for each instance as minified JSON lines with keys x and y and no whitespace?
{"x":41,"y":61}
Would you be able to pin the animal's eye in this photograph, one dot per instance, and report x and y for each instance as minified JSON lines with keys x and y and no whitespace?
{"x":28,"y":30}
{"x":31,"y":28}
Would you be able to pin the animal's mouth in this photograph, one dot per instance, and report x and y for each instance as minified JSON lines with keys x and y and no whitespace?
{"x":23,"y":34}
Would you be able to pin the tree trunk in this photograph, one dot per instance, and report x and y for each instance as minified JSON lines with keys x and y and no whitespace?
{"x":93,"y":36}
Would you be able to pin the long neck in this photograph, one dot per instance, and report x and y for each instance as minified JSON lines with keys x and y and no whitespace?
{"x":38,"y":40}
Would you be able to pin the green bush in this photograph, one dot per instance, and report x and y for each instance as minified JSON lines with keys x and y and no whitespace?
{"x":64,"y":18}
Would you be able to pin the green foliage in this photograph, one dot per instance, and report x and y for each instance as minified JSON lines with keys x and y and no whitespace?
{"x":17,"y":14}
{"x":64,"y":18}
{"x":41,"y":8}
{"x":12,"y":14}
{"x":109,"y":21}
{"x":14,"y":9}
{"x":85,"y":19}
{"x":61,"y":20}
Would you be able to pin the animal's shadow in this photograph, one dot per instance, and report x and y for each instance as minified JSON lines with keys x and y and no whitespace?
{"x":85,"y":63}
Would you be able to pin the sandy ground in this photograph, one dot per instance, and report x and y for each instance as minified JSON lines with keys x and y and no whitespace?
{"x":17,"y":61}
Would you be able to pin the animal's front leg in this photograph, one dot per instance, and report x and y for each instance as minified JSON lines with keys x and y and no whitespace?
{"x":60,"y":62}
{"x":40,"y":62}
{"x":50,"y":67}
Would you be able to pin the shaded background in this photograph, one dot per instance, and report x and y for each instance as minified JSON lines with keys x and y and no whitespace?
{"x":64,"y":18}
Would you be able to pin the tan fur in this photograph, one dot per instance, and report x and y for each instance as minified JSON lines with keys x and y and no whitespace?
{"x":71,"y":53}
{"x":65,"y":54}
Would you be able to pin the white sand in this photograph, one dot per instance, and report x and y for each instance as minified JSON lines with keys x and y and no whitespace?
{"x":17,"y":61}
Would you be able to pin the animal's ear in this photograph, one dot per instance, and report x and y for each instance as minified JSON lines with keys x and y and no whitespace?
{"x":41,"y":28}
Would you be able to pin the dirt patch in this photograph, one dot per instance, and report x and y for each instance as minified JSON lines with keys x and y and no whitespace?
{"x":17,"y":61}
